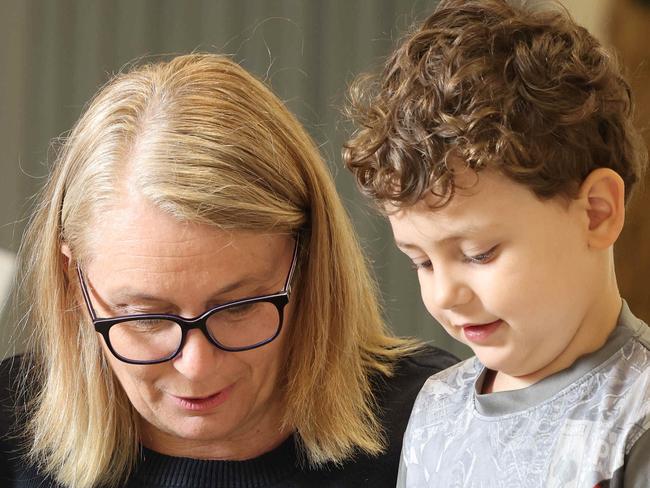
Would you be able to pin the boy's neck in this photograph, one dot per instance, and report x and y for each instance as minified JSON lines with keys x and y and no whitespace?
{"x":598,"y":323}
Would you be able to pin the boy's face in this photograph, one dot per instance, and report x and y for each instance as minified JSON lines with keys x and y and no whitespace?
{"x":504,"y":272}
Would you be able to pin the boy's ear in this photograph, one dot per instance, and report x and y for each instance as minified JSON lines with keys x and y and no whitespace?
{"x":603,"y":192}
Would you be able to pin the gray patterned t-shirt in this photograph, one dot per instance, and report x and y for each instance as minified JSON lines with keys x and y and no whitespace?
{"x":587,"y":426}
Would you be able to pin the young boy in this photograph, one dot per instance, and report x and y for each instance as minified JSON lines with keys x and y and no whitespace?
{"x":499,"y":142}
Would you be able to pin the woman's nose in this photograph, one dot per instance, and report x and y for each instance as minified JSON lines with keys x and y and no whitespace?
{"x":199,"y":357}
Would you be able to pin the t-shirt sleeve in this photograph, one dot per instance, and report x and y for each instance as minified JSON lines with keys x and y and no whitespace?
{"x":637,"y":464}
{"x":401,"y":473}
{"x":404,"y":458}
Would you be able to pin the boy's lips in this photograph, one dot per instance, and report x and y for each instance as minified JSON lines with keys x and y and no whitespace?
{"x":478,"y":333}
{"x":479,"y":324}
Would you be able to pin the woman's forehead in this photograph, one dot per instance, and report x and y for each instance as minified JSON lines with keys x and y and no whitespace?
{"x":186,"y":279}
{"x":133,"y":219}
{"x":141,"y":239}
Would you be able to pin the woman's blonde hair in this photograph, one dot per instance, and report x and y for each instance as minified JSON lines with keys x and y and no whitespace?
{"x":206,"y":142}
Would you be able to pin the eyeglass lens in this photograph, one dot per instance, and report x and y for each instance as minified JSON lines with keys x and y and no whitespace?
{"x":239,"y":326}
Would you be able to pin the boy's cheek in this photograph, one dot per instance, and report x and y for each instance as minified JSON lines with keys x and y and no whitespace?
{"x":426,"y":295}
{"x":436,"y":314}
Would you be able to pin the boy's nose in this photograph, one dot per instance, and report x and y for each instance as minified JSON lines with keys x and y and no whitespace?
{"x":449,"y":292}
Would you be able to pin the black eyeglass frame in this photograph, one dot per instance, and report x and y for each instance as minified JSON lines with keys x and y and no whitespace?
{"x":279,"y":299}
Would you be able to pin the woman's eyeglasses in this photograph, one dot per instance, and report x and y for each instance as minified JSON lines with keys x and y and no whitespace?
{"x":155,"y":338}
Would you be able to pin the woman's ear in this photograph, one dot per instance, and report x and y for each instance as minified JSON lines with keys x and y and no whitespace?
{"x":603,"y":191}
{"x":66,"y":255}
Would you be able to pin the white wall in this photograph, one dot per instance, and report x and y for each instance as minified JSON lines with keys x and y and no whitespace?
{"x":592,"y":14}
{"x":6,"y":274}
{"x":6,"y":277}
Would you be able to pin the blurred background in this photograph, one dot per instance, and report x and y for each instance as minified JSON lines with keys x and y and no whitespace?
{"x":54,"y":54}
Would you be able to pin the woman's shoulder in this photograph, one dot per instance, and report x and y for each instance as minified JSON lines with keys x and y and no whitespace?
{"x":396,"y":394}
{"x":14,"y":471}
{"x":10,"y":369}
{"x":426,"y":359}
{"x":8,"y":397}
{"x":412,"y":370}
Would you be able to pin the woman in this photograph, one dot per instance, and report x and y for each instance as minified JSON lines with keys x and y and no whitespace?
{"x":201,"y":313}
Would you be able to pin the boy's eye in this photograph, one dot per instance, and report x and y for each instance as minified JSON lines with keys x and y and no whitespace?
{"x":425,"y":265}
{"x":482,"y":258}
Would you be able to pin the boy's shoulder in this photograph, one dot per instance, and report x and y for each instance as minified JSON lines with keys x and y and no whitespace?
{"x":639,"y":330}
{"x":630,"y":348}
{"x":399,"y":391}
{"x":601,"y":404}
{"x":459,"y":377}
{"x":446,"y":394}
{"x":622,"y":363}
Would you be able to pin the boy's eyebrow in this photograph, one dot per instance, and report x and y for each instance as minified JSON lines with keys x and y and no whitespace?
{"x":405,"y":245}
{"x":451,"y":238}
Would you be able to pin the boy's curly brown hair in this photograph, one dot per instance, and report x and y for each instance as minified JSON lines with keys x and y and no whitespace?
{"x":525,"y":91}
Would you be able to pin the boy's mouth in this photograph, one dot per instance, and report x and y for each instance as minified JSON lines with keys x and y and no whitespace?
{"x":478,"y":333}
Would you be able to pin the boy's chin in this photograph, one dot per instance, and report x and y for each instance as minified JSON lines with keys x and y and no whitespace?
{"x":498,"y":363}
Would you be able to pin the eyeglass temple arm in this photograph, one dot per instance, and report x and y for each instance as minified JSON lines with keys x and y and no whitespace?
{"x":294,"y":259}
{"x":84,"y":291}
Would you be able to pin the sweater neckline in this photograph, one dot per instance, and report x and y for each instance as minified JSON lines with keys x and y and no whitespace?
{"x":156,"y":469}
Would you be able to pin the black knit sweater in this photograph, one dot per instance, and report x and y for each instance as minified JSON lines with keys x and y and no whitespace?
{"x":278,"y":468}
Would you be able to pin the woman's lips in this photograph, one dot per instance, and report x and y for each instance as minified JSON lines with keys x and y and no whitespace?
{"x":480,"y":333}
{"x":203,"y":403}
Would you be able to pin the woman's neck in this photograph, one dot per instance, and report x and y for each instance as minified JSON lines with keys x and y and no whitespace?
{"x":264,"y":436}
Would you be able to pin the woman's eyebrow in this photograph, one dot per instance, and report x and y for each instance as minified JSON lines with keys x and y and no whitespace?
{"x":128,"y":299}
